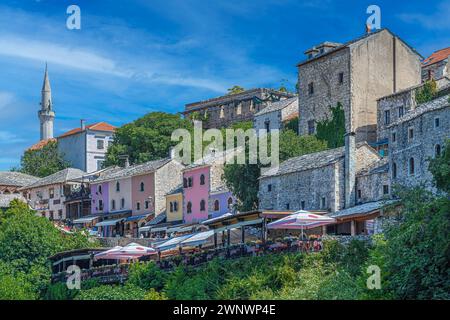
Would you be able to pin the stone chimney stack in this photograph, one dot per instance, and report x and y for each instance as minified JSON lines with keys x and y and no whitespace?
{"x":350,"y":169}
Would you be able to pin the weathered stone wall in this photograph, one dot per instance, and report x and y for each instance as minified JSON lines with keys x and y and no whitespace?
{"x":371,"y":187}
{"x":376,"y":73}
{"x":328,"y":91}
{"x":309,"y":186}
{"x":273,"y":118}
{"x":421,"y":148}
{"x":368,"y":69}
{"x":226,"y":110}
{"x":167,"y":178}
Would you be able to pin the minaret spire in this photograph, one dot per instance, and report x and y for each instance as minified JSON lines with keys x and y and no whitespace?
{"x":46,"y":114}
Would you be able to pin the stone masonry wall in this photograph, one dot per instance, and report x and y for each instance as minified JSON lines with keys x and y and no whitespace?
{"x":167,"y":178}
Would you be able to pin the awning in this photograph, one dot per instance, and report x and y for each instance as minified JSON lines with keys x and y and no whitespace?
{"x":198,"y":239}
{"x":136,"y":218}
{"x":181,"y":228}
{"x":157,"y":229}
{"x":172,"y":243}
{"x":109,"y":222}
{"x":240,"y":224}
{"x":361,"y":210}
{"x":144,"y":229}
{"x":217,"y":218}
{"x":85,"y":220}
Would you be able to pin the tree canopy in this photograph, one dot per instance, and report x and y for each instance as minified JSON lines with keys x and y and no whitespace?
{"x":42,"y":162}
{"x":235,"y":90}
{"x":147,"y":138}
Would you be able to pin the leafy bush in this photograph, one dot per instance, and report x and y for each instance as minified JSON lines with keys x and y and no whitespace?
{"x":118,"y":292}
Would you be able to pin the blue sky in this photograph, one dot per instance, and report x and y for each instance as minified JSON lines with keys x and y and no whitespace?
{"x":133,"y":57}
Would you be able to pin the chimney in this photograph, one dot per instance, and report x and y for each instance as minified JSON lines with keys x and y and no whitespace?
{"x":350,"y":169}
{"x":127,"y":162}
{"x":82,"y":124}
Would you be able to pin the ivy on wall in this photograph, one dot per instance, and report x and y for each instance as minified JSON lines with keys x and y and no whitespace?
{"x":333,"y":130}
{"x":427,"y":92}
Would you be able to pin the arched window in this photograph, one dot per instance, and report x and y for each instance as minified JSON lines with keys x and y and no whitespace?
{"x":175,"y":206}
{"x":117,"y":186}
{"x":230,"y":202}
{"x":171,"y":206}
{"x":202,"y":179}
{"x":437,"y":150}
{"x":99,"y":188}
{"x":185,"y":183}
{"x":113,"y":204}
{"x":142,"y":186}
{"x":216,"y":205}
{"x":138,"y":206}
{"x":190,"y":182}
{"x":122,"y":203}
{"x":411,"y":166}
{"x":202,"y":205}
{"x":189,"y":207}
{"x":394,"y":170}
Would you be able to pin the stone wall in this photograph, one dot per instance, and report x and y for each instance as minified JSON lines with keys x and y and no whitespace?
{"x":167,"y":178}
{"x":421,"y":148}
{"x":370,"y":187}
{"x":226,"y":110}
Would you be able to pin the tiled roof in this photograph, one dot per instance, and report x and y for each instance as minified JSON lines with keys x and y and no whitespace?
{"x":220,"y":189}
{"x":17,"y":179}
{"x":432,"y":105}
{"x":58,"y":177}
{"x":5,"y":199}
{"x":212,"y":158}
{"x":436,"y":57}
{"x":99,"y":126}
{"x":308,"y":161}
{"x":278,"y":105}
{"x":134,"y":170}
{"x":379,"y":166}
{"x":39,"y":145}
{"x":176,"y":190}
{"x":365,"y":208}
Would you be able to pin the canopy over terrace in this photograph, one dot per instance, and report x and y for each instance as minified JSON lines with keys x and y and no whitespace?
{"x":356,"y":218}
{"x":301,"y":220}
{"x":227,"y":222}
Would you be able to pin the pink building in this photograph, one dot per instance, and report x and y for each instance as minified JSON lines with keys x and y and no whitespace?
{"x":196,"y":186}
{"x":199,"y":181}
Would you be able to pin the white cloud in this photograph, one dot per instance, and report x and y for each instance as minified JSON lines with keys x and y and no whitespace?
{"x":5,"y":99}
{"x":9,"y":137}
{"x":440,"y":20}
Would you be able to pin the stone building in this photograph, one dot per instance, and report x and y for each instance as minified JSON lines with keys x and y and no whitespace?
{"x":373,"y":182}
{"x":48,"y":195}
{"x":393,"y":107}
{"x":437,"y":65}
{"x":225,"y":110}
{"x":85,"y":147}
{"x":354,"y":74}
{"x":10,"y":181}
{"x":276,"y":114}
{"x":316,"y":181}
{"x":417,"y":137}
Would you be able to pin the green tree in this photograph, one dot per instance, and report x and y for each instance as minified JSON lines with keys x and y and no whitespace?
{"x":117,"y":292}
{"x":427,"y":92}
{"x":333,"y":130}
{"x":43,"y":162}
{"x":235,"y":90}
{"x":242,"y":179}
{"x":440,"y":168}
{"x":147,"y":138}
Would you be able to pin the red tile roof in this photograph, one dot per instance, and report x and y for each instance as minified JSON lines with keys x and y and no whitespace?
{"x":437,"y":57}
{"x":41,"y":144}
{"x":99,"y":126}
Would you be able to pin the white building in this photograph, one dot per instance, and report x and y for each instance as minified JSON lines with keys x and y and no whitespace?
{"x":85,"y":147}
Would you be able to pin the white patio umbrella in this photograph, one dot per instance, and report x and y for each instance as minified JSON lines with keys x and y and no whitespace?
{"x":130,"y":251}
{"x":303,"y":220}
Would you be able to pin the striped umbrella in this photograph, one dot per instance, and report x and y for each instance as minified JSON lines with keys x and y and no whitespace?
{"x":301,"y":220}
{"x":130,"y":251}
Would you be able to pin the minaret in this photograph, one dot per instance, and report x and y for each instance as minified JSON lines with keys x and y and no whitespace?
{"x":46,"y":114}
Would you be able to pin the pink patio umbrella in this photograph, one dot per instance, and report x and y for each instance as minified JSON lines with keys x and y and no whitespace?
{"x":301,"y":220}
{"x":130,"y":251}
